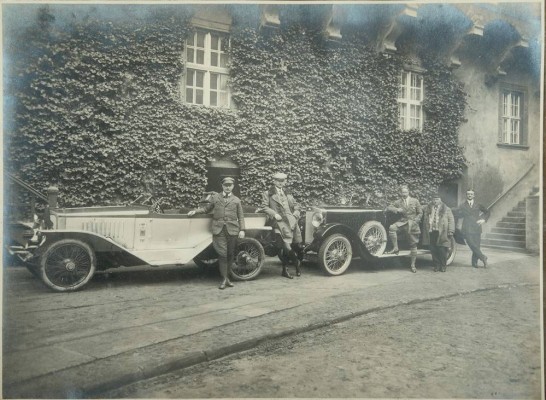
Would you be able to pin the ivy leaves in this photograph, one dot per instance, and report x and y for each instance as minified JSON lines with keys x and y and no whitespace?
{"x":100,"y":115}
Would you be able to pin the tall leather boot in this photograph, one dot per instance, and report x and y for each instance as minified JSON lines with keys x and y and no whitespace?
{"x":296,"y":261}
{"x":284,"y":272}
{"x":413,"y":257}
{"x":394,"y":240}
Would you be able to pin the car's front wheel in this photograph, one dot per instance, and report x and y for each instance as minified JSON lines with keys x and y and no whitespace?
{"x":335,"y":254}
{"x":249,"y":259}
{"x":67,"y":265}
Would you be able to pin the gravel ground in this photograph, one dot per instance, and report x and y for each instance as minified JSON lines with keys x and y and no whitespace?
{"x":485,"y":344}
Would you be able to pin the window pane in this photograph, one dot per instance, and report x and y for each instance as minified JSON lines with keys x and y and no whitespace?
{"x":223,"y":60}
{"x":213,"y":97}
{"x":223,"y":99}
{"x":189,"y":77}
{"x":214,"y":42}
{"x":214,"y":59}
{"x":223,"y":82}
{"x":224,"y":44}
{"x":200,"y":57}
{"x":201,"y":40}
{"x":191,"y":40}
{"x":190,"y":55}
{"x":189,"y":96}
{"x":198,"y":96}
{"x":200,"y":79}
{"x":505,"y":100}
{"x":214,"y":81}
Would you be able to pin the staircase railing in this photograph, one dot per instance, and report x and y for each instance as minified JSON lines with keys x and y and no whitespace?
{"x":505,"y":192}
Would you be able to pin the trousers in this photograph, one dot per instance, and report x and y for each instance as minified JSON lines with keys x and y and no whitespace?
{"x":224,"y":244}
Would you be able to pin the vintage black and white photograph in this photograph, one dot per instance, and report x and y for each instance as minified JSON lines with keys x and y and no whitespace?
{"x":272,"y":199}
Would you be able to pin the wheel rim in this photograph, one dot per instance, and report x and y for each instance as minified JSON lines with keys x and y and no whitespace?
{"x":247,"y":260}
{"x":337,"y":255}
{"x":373,"y":240}
{"x":68,"y":265}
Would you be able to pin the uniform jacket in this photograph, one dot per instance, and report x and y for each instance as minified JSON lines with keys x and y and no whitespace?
{"x":411,"y":214}
{"x":446,"y":225}
{"x":225,"y":211}
{"x":470,"y":215}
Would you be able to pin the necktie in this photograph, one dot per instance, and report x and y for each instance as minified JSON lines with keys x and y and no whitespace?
{"x":435,"y":221}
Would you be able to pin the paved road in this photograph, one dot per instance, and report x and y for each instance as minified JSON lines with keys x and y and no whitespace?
{"x":483,"y":344}
{"x":135,"y":324}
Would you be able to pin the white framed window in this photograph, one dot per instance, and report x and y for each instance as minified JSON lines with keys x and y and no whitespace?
{"x":206,"y":69}
{"x":410,"y":101}
{"x":511,"y":129}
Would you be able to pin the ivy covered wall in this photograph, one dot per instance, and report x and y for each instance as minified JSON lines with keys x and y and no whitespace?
{"x":99,"y":114}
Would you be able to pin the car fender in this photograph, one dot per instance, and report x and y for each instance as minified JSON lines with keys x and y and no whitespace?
{"x":99,"y":243}
{"x":324,"y":231}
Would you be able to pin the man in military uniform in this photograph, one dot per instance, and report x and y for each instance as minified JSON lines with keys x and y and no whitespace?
{"x":408,"y":212}
{"x":228,"y":223}
{"x":284,"y":211}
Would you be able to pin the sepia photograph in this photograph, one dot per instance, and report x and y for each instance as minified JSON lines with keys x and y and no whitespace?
{"x":275,"y":199}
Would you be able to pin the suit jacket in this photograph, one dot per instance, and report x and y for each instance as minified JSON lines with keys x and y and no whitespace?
{"x":446,"y":225}
{"x":470,"y":215}
{"x":411,"y":214}
{"x":271,"y":205}
{"x":225,"y":212}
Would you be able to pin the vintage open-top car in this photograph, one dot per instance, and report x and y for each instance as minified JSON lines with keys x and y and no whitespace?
{"x":82,"y":240}
{"x":338,"y":234}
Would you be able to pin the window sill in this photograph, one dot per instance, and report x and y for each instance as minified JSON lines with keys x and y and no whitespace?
{"x":513,"y":146}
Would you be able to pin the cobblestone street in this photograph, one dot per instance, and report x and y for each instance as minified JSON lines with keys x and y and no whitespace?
{"x":135,"y":324}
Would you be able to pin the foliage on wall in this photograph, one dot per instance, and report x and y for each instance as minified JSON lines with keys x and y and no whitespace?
{"x":100,"y":116}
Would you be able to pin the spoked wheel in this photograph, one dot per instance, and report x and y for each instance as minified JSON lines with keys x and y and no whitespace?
{"x":374,"y":237}
{"x":67,"y":265}
{"x":249,"y":259}
{"x":335,"y":254}
{"x":451,"y":252}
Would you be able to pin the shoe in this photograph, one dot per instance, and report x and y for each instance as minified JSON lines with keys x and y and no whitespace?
{"x":298,"y":271}
{"x":443,"y":269}
{"x":413,"y":269}
{"x":393,"y":251}
{"x":286,"y":274}
{"x":484,"y":261}
{"x":228,"y":283}
{"x":435,"y":269}
{"x":475,"y":265}
{"x":222,"y":286}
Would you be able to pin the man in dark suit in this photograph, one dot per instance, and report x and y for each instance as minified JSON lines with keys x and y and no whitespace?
{"x":474,"y":215}
{"x":228,"y":223}
{"x":284,"y":211}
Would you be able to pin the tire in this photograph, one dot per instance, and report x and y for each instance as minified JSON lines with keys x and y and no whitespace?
{"x":451,"y":252}
{"x":374,"y":237}
{"x":67,"y":265}
{"x":335,"y":254}
{"x":249,"y":259}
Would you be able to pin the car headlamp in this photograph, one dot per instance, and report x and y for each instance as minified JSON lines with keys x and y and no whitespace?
{"x":317,"y":219}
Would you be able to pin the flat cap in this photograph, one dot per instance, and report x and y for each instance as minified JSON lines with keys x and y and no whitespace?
{"x":279,"y":176}
{"x":228,"y":179}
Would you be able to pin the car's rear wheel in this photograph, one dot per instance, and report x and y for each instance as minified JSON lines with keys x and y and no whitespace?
{"x":335,"y":254}
{"x":374,"y":237}
{"x":451,"y":252}
{"x":67,"y":265}
{"x":249,"y":259}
